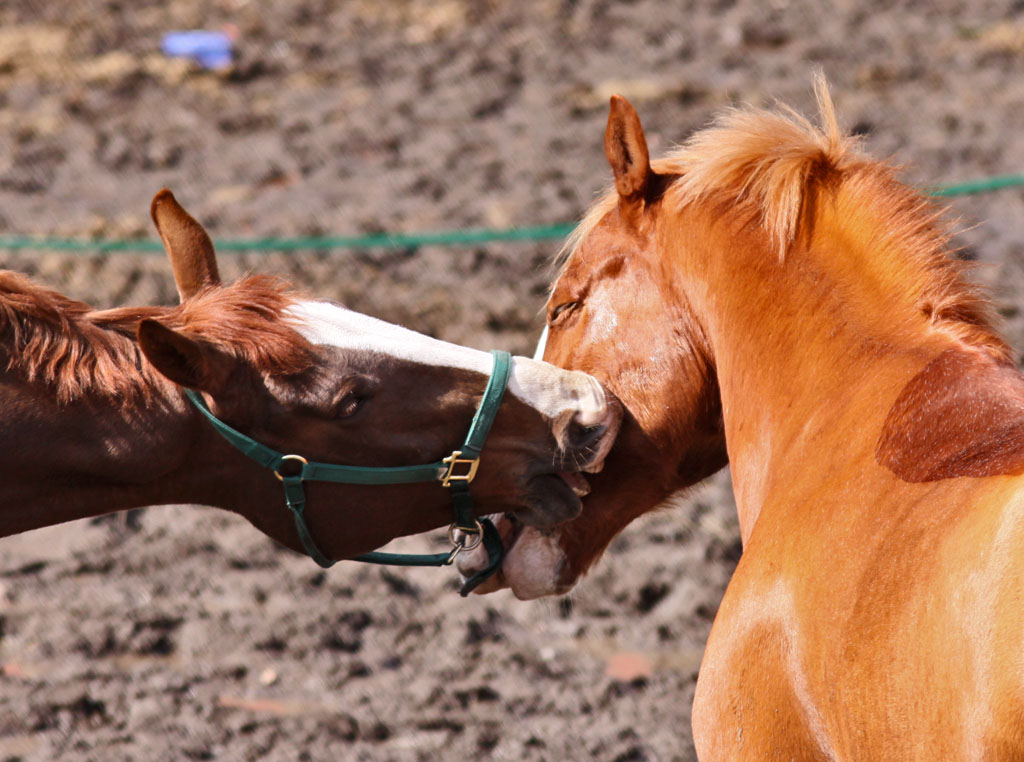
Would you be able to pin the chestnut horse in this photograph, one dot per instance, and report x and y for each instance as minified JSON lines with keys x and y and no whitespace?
{"x":769,"y":294}
{"x":96,"y":418}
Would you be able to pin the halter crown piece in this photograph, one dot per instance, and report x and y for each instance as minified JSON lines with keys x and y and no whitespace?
{"x":454,"y":473}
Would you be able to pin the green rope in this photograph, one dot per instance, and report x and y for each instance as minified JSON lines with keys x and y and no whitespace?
{"x":980,"y":186}
{"x":372,"y":241}
{"x":395,"y":240}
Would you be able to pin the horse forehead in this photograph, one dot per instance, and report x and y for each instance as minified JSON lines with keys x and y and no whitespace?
{"x":333,"y":325}
{"x":549,"y":390}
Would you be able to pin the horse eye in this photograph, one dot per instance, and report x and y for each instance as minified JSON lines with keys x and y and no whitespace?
{"x":351,"y":396}
{"x":561,"y":309}
{"x":349,"y":405}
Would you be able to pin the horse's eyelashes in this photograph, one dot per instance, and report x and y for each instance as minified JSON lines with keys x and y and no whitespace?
{"x":349,"y":405}
{"x":352,"y":398}
{"x":560,"y":310}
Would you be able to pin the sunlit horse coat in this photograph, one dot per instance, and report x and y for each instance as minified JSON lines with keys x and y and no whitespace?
{"x":771,"y":288}
{"x":95,"y":419}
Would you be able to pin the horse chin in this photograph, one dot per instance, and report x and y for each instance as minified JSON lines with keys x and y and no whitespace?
{"x":531,"y":568}
{"x":533,"y":565}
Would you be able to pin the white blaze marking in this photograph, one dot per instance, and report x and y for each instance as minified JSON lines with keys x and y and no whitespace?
{"x":542,"y":344}
{"x":551,"y":391}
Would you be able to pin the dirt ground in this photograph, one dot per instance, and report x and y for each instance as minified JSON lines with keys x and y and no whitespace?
{"x":180,"y":633}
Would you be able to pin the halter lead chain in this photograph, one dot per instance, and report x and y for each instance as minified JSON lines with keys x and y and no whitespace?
{"x":454,"y":472}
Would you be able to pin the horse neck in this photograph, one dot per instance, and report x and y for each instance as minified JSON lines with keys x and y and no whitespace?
{"x":807,"y":353}
{"x":93,"y":455}
{"x":89,"y":428}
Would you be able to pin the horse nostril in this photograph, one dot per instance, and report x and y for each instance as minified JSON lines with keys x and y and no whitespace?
{"x":582,"y":436}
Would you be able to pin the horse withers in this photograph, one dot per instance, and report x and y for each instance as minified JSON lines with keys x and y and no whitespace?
{"x":769,"y":295}
{"x":96,"y":418}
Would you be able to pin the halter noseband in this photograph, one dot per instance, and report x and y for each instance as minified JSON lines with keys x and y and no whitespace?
{"x":454,"y":473}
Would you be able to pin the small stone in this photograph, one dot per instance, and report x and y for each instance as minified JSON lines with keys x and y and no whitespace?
{"x":268,"y":676}
{"x":626,"y":666}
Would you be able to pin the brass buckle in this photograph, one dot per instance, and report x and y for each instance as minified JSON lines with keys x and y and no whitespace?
{"x":454,"y":460}
{"x":460,"y":543}
{"x":298,"y":458}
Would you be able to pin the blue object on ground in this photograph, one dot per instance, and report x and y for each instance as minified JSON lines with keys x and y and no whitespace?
{"x":211,"y":50}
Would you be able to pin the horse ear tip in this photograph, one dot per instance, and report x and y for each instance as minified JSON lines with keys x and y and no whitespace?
{"x":162,"y":195}
{"x":620,"y":103}
{"x":148,"y":327}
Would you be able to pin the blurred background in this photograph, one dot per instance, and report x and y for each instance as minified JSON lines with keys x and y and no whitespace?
{"x":181,"y":633}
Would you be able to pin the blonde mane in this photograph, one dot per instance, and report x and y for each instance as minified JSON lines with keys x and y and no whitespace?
{"x":769,"y":163}
{"x":68,"y":346}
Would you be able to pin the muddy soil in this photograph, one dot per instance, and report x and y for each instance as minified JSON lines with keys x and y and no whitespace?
{"x":181,"y":633}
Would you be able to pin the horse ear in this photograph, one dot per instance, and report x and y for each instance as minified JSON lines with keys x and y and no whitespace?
{"x":187,"y":245}
{"x":185,"y":359}
{"x":626,"y":149}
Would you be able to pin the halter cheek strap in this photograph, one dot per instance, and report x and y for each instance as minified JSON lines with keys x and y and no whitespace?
{"x":454,"y":472}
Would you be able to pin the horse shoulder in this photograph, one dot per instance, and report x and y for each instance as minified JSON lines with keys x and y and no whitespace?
{"x":962,"y":415}
{"x":755,"y":698}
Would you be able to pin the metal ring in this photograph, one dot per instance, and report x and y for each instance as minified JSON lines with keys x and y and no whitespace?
{"x":299,"y":458}
{"x":477,"y":530}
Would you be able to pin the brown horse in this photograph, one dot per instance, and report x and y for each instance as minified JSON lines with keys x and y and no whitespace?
{"x":95,"y":419}
{"x":771,"y":294}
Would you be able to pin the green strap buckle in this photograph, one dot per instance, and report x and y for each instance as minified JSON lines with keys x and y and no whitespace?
{"x":455,"y":460}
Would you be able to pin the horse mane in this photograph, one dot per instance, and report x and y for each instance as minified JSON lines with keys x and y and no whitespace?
{"x":79,"y":351}
{"x":769,"y":164}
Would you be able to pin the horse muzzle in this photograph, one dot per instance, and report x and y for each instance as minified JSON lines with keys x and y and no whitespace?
{"x":531,"y":567}
{"x":586,"y":435}
{"x":554,"y":488}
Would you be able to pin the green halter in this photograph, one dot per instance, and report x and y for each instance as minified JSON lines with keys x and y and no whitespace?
{"x":454,"y":472}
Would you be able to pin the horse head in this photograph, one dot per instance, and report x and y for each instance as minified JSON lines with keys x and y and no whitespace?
{"x":313,"y":378}
{"x":617,"y":311}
